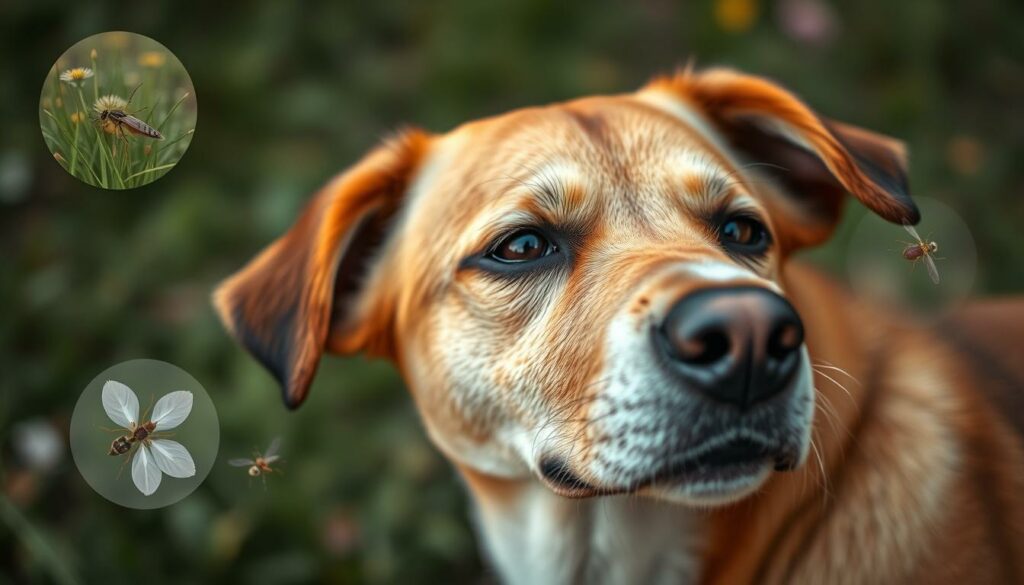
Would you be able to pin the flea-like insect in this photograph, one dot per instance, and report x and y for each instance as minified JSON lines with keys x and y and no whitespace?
{"x":126,"y":123}
{"x":920,"y":250}
{"x":259,"y":465}
{"x":149,"y":452}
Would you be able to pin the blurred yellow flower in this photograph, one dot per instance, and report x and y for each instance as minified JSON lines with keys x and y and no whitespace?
{"x":965,"y":154}
{"x":117,"y":39}
{"x":93,"y":54}
{"x":152,"y":59}
{"x":59,"y":103}
{"x":77,"y":117}
{"x":76,"y":76}
{"x":735,"y":16}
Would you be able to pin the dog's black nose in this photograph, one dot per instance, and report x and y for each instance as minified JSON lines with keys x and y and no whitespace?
{"x":735,"y":345}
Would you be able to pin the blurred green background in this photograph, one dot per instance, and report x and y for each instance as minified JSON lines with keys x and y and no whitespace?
{"x":291,"y":93}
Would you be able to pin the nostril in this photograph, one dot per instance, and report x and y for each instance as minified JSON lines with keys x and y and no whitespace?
{"x":704,"y":347}
{"x":785,"y":339}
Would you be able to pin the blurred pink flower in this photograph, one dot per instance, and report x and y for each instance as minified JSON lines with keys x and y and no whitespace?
{"x":811,"y":22}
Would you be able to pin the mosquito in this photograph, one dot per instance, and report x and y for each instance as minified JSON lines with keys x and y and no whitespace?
{"x":125,"y":123}
{"x":921,"y":250}
{"x":259,"y":465}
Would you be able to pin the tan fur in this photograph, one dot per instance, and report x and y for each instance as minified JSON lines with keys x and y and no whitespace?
{"x":912,"y":474}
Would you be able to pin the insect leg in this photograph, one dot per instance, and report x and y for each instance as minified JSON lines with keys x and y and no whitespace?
{"x":131,"y":454}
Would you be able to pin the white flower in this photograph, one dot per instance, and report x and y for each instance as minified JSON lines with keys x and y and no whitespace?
{"x":153,"y":455}
{"x":109,"y":102}
{"x":76,"y":76}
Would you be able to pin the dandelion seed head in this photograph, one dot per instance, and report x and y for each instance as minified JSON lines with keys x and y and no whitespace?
{"x":109,"y":102}
{"x":76,"y":75}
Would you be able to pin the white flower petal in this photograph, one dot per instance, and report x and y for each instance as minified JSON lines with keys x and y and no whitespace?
{"x":172,"y":410}
{"x":121,"y":404}
{"x":145,"y":473}
{"x":173,"y":458}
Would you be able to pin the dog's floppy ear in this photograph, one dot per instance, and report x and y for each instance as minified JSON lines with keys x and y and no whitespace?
{"x":817,"y":161}
{"x":283,"y":305}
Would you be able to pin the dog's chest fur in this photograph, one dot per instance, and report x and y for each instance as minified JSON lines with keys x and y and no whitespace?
{"x":545,"y":539}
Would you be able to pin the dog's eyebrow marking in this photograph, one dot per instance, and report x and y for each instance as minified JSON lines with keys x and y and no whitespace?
{"x":557,"y":188}
{"x":704,"y":178}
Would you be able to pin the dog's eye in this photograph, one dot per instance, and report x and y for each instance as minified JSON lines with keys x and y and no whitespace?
{"x":744,"y":235}
{"x":522,"y":246}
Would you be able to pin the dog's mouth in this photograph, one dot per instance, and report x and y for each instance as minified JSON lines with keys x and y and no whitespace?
{"x":730,"y":462}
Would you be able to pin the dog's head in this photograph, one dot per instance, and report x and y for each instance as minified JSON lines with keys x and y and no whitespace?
{"x":590,"y":291}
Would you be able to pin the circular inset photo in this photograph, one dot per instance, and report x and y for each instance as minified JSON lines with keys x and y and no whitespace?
{"x":144,"y":434}
{"x":929,"y":268}
{"x":117,"y":110}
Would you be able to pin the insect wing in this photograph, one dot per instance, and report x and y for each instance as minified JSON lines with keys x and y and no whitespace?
{"x":913,"y":232}
{"x":120,"y":403}
{"x":172,"y":410}
{"x":933,"y":271}
{"x":272,"y":450}
{"x":137,"y":126}
{"x":271,"y":459}
{"x":145,"y":473}
{"x":173,"y":458}
{"x":241,"y":462}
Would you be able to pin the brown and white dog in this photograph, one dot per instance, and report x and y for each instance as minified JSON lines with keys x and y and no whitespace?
{"x":593,"y":307}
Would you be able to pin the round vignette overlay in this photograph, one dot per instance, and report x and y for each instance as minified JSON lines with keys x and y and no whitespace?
{"x":117,"y":110}
{"x":878,"y":270}
{"x":92,"y":433}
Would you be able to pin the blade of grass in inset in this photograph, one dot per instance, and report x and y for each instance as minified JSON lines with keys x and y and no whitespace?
{"x":67,"y":138}
{"x":152,"y":110}
{"x":152,"y":170}
{"x":171,"y":111}
{"x":178,"y":139}
{"x":74,"y":153}
{"x":103,"y":151}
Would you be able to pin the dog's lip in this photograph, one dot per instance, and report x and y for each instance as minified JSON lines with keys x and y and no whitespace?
{"x":732,"y":459}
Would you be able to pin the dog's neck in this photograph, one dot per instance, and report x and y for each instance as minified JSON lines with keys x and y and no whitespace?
{"x":534,"y":537}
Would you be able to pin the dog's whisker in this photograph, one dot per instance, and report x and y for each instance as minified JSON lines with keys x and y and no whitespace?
{"x":834,"y":381}
{"x":829,"y":366}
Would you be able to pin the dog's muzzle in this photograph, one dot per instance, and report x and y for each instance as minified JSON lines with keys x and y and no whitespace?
{"x":735,"y":346}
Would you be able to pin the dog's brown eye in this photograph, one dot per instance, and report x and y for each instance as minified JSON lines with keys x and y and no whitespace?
{"x":522,"y":246}
{"x":744,"y":234}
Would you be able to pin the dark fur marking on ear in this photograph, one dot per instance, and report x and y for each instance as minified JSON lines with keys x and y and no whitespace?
{"x":275,"y":351}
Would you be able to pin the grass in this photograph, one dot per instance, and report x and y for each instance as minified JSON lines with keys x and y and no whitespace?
{"x":128,"y":67}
